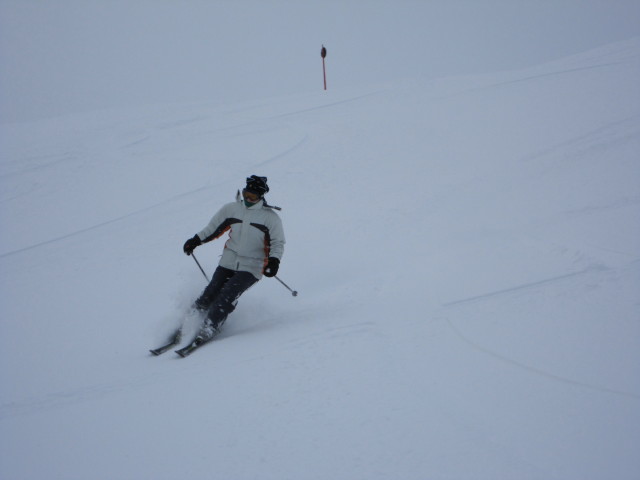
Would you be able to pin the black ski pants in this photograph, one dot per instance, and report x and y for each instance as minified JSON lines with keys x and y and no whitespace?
{"x":220,"y":297}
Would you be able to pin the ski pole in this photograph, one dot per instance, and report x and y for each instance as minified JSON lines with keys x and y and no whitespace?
{"x":200,"y":267}
{"x":293,"y":292}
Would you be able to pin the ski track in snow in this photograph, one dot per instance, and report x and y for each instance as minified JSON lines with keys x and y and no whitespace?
{"x":534,"y":370}
{"x":543,"y":75}
{"x":593,"y":271}
{"x":98,"y":226}
{"x":57,"y":400}
{"x":619,"y":131}
{"x":525,"y":286}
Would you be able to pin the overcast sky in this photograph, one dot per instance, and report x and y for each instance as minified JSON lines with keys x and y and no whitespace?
{"x":64,"y":56}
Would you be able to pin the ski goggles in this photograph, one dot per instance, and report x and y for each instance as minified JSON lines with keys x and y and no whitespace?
{"x":250,"y":196}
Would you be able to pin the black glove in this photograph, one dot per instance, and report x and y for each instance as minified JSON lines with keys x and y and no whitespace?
{"x":272,"y":267}
{"x":191,"y":244}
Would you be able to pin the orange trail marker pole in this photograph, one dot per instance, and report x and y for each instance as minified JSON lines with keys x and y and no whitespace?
{"x":323,"y":54}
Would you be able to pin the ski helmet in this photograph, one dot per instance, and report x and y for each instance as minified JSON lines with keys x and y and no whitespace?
{"x":257,"y":185}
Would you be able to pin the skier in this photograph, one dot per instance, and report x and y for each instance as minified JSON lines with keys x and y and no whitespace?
{"x":254,"y":248}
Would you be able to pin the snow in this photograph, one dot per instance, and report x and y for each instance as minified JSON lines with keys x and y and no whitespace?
{"x":466,"y":250}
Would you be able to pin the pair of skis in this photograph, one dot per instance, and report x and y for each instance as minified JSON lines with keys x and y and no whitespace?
{"x":175,"y":341}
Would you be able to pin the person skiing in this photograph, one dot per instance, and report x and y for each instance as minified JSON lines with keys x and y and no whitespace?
{"x":254,"y":248}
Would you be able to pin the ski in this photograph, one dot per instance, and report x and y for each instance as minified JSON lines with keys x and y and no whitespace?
{"x":192,"y":347}
{"x":175,"y":340}
{"x":205,"y":336}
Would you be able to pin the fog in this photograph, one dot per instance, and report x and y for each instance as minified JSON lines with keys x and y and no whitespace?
{"x":71,"y":56}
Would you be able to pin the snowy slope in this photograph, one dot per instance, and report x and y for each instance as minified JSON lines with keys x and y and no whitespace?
{"x":467,"y":252}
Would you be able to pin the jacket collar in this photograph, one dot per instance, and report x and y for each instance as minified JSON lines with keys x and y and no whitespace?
{"x":256,"y":206}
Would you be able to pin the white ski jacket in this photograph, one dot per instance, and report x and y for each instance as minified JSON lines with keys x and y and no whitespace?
{"x":256,"y":234}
